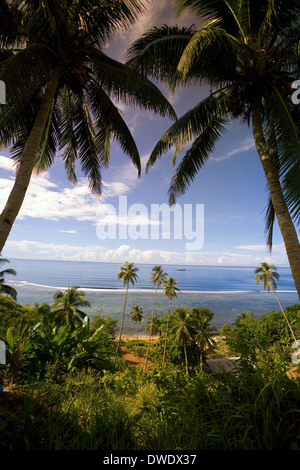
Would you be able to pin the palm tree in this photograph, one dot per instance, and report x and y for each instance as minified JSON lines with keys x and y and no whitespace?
{"x":158,"y":276}
{"x":61,"y":93}
{"x":66,"y":307}
{"x":136,"y":315}
{"x":181,"y":326}
{"x":170,"y":291}
{"x":202,"y":331}
{"x":128,"y":273}
{"x":247,"y":51}
{"x":268,"y":274}
{"x":4,"y":288}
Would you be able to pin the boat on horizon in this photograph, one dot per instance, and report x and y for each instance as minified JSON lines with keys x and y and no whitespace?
{"x":180,"y":269}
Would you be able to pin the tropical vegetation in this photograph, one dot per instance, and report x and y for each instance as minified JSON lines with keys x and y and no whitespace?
{"x":67,"y":394}
{"x":170,"y":291}
{"x":248,"y":53}
{"x":136,"y":315}
{"x":128,"y":273}
{"x":5,"y":288}
{"x":158,"y":276}
{"x":66,"y":307}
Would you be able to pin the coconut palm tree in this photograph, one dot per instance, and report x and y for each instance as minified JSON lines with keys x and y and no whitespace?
{"x":181,"y":326}
{"x":136,"y":315}
{"x":170,"y":291}
{"x":247,"y":52}
{"x":157,"y":277}
{"x":4,"y":288}
{"x":203,"y":331}
{"x":269,"y":275}
{"x":66,"y":307}
{"x":63,"y":92}
{"x":128,"y":273}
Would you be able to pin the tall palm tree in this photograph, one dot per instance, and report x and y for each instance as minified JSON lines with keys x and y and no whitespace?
{"x":269,"y":275}
{"x":63,"y":91}
{"x":170,"y":291}
{"x":136,"y":315}
{"x":247,"y":51}
{"x":4,"y":288}
{"x":66,"y":307}
{"x":181,"y":326}
{"x":128,"y":273}
{"x":157,"y":277}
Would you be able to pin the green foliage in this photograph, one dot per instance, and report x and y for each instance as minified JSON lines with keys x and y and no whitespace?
{"x":73,"y":398}
{"x":4,"y":288}
{"x":31,"y":350}
{"x":250,"y":336}
{"x":190,"y":330}
{"x":12,"y":312}
{"x":18,"y":346}
{"x":66,"y":307}
{"x":108,"y":322}
{"x":159,"y":410}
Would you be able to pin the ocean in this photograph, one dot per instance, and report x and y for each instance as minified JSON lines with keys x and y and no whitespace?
{"x":226,"y":290}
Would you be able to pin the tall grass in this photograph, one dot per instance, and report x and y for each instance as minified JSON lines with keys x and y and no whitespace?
{"x":160,"y":410}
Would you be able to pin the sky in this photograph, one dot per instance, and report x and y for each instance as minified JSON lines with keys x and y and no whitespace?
{"x":221,"y":216}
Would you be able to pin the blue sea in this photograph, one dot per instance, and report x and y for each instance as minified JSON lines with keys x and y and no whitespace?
{"x":226,"y":291}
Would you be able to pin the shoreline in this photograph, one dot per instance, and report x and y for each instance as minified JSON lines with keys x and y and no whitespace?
{"x":145,"y":291}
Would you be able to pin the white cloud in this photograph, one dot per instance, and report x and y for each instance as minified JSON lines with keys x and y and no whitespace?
{"x":67,"y":231}
{"x":278,"y":248}
{"x":46,"y":200}
{"x":245,"y":146}
{"x":37,"y":250}
{"x":7,"y":164}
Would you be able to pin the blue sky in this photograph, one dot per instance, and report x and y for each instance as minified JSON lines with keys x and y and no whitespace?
{"x":59,"y":221}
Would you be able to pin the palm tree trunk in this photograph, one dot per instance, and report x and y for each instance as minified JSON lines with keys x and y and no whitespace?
{"x":186,"y":359}
{"x":122,"y":322}
{"x":25,"y":169}
{"x":152,"y":320}
{"x":285,"y":222}
{"x":293,"y":334}
{"x":166,"y":339}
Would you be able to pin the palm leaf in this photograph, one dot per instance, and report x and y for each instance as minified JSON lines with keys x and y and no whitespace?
{"x":68,"y":141}
{"x":129,"y":86}
{"x":211,"y":55}
{"x":189,"y":126}
{"x":196,"y":157}
{"x":89,"y":149}
{"x":109,"y":122}
{"x":282,"y":131}
{"x":157,"y":53}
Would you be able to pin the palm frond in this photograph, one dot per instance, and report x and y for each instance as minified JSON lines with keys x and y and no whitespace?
{"x":8,"y":290}
{"x":269,"y":221}
{"x":196,"y":157}
{"x":189,"y":126}
{"x":24,"y":71}
{"x":89,"y":149}
{"x":128,"y":86}
{"x":109,"y":123}
{"x":211,"y":55}
{"x":211,"y":9}
{"x":157,"y":53}
{"x":68,"y":141}
{"x":282,"y":132}
{"x":103,"y":19}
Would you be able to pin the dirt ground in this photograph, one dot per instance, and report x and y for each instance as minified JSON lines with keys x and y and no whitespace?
{"x":133,"y":358}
